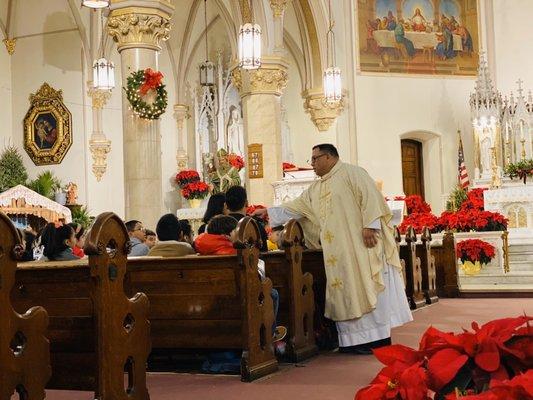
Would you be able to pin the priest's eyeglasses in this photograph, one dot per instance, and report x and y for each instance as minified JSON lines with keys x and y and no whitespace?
{"x":314,"y":158}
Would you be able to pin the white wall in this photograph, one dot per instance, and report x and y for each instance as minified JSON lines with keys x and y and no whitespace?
{"x":5,"y":98}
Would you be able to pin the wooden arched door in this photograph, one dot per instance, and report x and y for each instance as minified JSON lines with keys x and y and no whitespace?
{"x":412,"y":167}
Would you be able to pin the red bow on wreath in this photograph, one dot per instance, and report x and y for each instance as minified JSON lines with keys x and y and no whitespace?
{"x":152,"y":80}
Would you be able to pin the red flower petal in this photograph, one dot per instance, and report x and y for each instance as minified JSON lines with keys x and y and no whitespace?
{"x":444,"y":365}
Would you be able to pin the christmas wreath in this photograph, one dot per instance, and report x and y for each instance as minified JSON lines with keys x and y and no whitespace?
{"x":146,"y":93}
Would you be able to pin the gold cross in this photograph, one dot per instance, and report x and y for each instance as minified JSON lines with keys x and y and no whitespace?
{"x":328,"y":237}
{"x":331,"y":261}
{"x":337,"y":283}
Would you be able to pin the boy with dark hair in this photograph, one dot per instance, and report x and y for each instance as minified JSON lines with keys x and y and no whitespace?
{"x":217,"y":238}
{"x":137,"y":237}
{"x":186,"y":230}
{"x":170,"y":237}
{"x":237,"y":202}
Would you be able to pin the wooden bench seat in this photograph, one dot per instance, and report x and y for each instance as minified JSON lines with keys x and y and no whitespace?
{"x":96,"y":333}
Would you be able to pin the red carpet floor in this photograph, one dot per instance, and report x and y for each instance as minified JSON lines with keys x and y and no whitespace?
{"x":330,"y":376}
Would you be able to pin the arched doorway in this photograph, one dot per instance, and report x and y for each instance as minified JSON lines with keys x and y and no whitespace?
{"x":412,"y":167}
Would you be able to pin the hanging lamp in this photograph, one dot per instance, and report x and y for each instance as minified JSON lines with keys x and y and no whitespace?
{"x":249,"y":44}
{"x":207,"y":68}
{"x":95,"y":3}
{"x":332,"y":74}
{"x":103,"y":70}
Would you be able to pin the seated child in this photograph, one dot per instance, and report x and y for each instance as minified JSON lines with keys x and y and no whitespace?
{"x":273,"y":237}
{"x":151,"y":238}
{"x":59,"y":242}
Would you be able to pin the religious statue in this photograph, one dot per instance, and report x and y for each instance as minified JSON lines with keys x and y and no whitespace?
{"x":72,"y":193}
{"x":235,"y":133}
{"x":226,"y":173}
{"x":486,"y":144}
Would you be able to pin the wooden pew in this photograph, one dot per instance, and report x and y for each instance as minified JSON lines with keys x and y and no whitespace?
{"x":96,"y":333}
{"x":446,"y":267}
{"x":423,"y":252}
{"x":297,"y":302}
{"x":211,"y":302}
{"x":24,"y":349}
{"x":413,"y":271}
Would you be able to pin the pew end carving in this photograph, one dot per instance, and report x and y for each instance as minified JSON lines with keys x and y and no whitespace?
{"x":413,"y":271}
{"x":258,"y":352}
{"x":122,"y":326}
{"x":300,"y":296}
{"x":429,"y":277}
{"x":24,"y":348}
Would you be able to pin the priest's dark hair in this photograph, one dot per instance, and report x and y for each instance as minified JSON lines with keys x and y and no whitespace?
{"x":168,"y":228}
{"x":54,"y":239}
{"x":327,"y":148}
{"x":221,"y":225}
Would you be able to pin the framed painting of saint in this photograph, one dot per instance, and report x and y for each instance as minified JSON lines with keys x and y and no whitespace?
{"x":47,"y":127}
{"x":418,"y":37}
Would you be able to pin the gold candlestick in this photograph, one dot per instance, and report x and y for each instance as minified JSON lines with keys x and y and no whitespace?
{"x":507,"y":152}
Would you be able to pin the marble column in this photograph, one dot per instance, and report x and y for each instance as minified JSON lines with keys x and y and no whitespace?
{"x":181,"y":113}
{"x":260,"y":92}
{"x":138,"y":28}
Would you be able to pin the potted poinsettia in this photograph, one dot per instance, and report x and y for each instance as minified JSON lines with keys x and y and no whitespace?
{"x":187,"y":176}
{"x":474,"y":253}
{"x":195,"y":192}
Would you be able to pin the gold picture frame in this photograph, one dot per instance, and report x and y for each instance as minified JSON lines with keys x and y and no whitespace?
{"x":47,"y":127}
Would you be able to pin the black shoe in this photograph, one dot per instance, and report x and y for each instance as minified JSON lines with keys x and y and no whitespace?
{"x":380,"y":343}
{"x":361,"y":349}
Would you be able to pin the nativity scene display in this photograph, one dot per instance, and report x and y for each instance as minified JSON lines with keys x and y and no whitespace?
{"x":436,"y":37}
{"x":47,"y":127}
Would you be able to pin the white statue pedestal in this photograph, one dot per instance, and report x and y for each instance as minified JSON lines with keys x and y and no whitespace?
{"x":292,"y":185}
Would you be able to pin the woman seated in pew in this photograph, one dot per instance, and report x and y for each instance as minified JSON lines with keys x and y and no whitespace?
{"x":218,"y":240}
{"x":58,"y":243}
{"x":170,"y":239}
{"x":215,"y":206}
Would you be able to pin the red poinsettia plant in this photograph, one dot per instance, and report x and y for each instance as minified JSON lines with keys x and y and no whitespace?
{"x":490,"y":362}
{"x":475,"y":250}
{"x":236,"y":161}
{"x":185,"y":177}
{"x":195,"y":190}
{"x":289,"y":167}
{"x":419,"y":215}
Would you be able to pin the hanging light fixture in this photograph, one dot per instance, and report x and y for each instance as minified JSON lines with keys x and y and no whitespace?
{"x":250,"y":44}
{"x":95,"y":3}
{"x":207,"y":68}
{"x":103,"y":70}
{"x":332,"y":74}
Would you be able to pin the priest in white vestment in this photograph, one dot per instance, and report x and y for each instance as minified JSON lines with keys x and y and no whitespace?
{"x":365,"y":293}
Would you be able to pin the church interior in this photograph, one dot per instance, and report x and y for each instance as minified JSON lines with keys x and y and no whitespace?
{"x":121,"y":116}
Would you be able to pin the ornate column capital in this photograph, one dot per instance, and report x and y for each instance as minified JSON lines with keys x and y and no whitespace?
{"x":144,"y":23}
{"x":99,"y":97}
{"x":278,"y":7}
{"x":10,"y":45}
{"x":181,"y":113}
{"x":322,"y":114}
{"x":271,"y":78}
{"x":100,"y":147}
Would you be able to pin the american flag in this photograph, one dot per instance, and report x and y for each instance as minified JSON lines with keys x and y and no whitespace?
{"x":464,"y":182}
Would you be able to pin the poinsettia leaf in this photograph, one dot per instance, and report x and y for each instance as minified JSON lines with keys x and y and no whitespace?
{"x":462,"y":381}
{"x":443,"y":367}
{"x":391,"y":354}
{"x":488,"y":356}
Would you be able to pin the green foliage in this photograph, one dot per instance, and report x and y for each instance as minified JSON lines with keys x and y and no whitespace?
{"x":521,"y":169}
{"x":81,"y":216}
{"x":46,"y":184}
{"x":457,"y":197}
{"x":12,"y":170}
